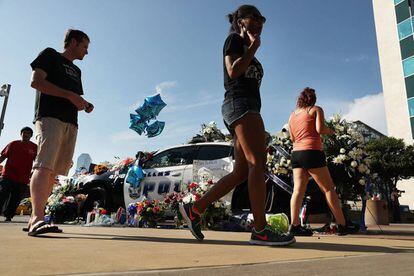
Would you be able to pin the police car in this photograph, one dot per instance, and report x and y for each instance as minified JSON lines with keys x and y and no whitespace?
{"x":164,"y":173}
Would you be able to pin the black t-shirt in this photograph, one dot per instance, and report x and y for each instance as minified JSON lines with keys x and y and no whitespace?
{"x":64,"y":74}
{"x":248,"y":84}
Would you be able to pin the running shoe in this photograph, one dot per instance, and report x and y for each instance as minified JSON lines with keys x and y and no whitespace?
{"x":343,"y":230}
{"x":193,"y":220}
{"x":268,"y":236}
{"x":299,"y":230}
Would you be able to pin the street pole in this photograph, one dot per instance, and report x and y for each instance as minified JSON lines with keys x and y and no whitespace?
{"x":4,"y":91}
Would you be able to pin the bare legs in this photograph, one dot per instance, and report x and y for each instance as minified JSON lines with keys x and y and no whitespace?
{"x":228,"y":182}
{"x":41,"y":185}
{"x":325,"y":183}
{"x":300,"y":180}
{"x":250,"y":162}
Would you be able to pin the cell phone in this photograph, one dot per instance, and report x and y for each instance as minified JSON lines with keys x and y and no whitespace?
{"x":88,"y":107}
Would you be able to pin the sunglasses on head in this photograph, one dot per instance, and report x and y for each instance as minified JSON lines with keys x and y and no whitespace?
{"x":256,"y":17}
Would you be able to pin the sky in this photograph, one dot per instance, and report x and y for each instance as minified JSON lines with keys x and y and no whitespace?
{"x":143,"y":47}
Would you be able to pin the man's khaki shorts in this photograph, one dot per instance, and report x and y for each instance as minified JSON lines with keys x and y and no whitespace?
{"x":56,"y":144}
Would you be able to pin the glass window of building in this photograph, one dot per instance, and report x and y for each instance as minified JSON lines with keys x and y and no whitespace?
{"x":405,"y":28}
{"x":409,"y":86}
{"x":408,"y":65}
{"x":407,"y":47}
{"x":396,"y":2}
{"x":402,"y":11}
{"x":411,"y":107}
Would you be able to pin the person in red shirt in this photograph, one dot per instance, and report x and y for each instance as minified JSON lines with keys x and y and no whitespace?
{"x":20,"y":155}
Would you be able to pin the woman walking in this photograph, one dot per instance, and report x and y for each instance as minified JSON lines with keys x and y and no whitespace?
{"x":306,"y":125}
{"x":241,"y":113}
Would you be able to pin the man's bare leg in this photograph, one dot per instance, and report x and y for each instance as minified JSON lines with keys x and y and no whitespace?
{"x":41,"y":185}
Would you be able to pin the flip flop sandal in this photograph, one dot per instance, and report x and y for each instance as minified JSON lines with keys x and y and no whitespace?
{"x":54,"y":229}
{"x":41,"y":227}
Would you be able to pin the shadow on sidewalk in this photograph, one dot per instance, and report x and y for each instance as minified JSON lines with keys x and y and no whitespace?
{"x":321,"y":246}
{"x":352,"y":248}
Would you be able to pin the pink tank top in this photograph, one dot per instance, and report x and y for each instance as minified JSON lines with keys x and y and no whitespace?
{"x":303,"y":128}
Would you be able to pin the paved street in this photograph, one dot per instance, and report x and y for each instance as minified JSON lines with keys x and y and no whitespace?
{"x":137,"y":251}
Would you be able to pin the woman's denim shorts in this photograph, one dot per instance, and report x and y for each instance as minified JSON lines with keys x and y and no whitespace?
{"x":235,"y":108}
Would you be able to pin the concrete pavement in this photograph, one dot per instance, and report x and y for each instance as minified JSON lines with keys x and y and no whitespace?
{"x":137,"y":251}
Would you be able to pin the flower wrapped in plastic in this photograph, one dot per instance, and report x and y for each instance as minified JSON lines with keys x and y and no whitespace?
{"x":131,"y":214}
{"x":279,"y":222}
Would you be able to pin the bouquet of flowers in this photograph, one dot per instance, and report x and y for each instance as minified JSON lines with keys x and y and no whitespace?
{"x":210,"y":133}
{"x":61,"y":204}
{"x":25,"y":206}
{"x":347,"y":160}
{"x":150,"y":212}
{"x":278,"y":154}
{"x":172,"y":202}
{"x":122,"y":164}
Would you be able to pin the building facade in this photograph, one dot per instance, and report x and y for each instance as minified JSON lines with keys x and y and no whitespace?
{"x":394,"y":20}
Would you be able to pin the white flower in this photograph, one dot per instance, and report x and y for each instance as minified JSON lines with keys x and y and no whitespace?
{"x":367,"y":171}
{"x":339,"y":159}
{"x":342,"y":150}
{"x":374,"y":175}
{"x":283,"y":171}
{"x":336,"y":118}
{"x":189,"y":198}
{"x":269,"y":158}
{"x":362,"y":168}
{"x":339,"y":128}
{"x":361,"y":181}
{"x":354,"y":164}
{"x":204,"y":186}
{"x":217,"y":204}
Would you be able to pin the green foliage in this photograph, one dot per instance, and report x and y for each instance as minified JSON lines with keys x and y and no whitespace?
{"x":391,"y":159}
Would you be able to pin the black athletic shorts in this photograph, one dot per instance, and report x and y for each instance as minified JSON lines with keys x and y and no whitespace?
{"x":308,"y":159}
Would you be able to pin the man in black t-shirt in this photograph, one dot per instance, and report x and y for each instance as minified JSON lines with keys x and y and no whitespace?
{"x":58,"y":100}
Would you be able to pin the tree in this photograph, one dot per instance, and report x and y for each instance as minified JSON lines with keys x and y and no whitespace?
{"x":391,"y":159}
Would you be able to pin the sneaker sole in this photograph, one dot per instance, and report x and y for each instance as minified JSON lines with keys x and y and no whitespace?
{"x":188,"y":220}
{"x":256,"y":242}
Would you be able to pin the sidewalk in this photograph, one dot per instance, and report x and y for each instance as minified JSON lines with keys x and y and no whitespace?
{"x":137,"y":251}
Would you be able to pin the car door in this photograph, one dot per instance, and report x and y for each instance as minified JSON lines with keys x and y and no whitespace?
{"x":164,"y":173}
{"x":214,"y":152}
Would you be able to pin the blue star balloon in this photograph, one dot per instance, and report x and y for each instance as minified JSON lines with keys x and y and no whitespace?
{"x":151,"y":107}
{"x":147,"y":111}
{"x":155,"y":129}
{"x":156,"y":103}
{"x":134,"y":176}
{"x":137,"y":124}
